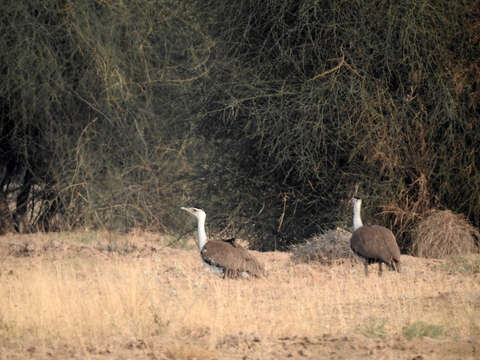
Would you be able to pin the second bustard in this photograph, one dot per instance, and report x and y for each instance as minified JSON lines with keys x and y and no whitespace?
{"x":373,"y":243}
{"x":225,"y":258}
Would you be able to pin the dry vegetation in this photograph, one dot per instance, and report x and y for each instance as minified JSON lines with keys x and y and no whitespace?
{"x":98,"y":295}
{"x":325,"y":248}
{"x":443,"y":234}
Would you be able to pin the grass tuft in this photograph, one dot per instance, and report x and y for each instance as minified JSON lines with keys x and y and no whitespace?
{"x":374,"y":328}
{"x":420,"y":329}
{"x":325,"y":248}
{"x":444,"y":233}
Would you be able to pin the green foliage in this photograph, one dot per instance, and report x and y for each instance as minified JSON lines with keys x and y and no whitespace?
{"x":373,"y":328}
{"x":419,"y":329}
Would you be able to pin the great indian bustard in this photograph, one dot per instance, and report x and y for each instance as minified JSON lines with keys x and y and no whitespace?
{"x":373,"y":243}
{"x":224,"y":257}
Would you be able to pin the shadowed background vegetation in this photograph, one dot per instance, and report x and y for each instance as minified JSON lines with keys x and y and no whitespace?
{"x":265,"y":114}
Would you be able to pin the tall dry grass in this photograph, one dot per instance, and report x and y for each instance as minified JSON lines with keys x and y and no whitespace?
{"x":90,"y":299}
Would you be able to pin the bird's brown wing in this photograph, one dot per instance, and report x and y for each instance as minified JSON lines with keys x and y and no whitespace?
{"x":376,"y":243}
{"x":232,"y":258}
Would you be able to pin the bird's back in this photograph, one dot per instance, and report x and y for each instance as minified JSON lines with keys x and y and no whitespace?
{"x":375,"y":242}
{"x":232,"y":257}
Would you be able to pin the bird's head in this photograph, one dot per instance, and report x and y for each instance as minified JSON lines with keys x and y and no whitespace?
{"x":198,"y":213}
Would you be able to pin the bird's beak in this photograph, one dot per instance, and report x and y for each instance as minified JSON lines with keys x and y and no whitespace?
{"x":186,"y":209}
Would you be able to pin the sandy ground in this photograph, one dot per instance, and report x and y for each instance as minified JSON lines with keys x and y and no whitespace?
{"x":20,"y":254}
{"x":251,"y":347}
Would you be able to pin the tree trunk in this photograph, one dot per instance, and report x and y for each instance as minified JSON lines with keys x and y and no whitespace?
{"x":6,"y":219}
{"x":22,"y":202}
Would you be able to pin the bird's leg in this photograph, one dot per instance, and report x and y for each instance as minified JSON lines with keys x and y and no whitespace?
{"x":396,"y":266}
{"x":366,"y":268}
{"x":380,"y":269}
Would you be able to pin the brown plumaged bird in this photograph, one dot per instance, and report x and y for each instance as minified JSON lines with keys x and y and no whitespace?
{"x":224,"y":257}
{"x":373,"y":243}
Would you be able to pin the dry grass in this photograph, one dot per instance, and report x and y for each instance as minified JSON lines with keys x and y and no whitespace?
{"x":165,"y":303}
{"x":443,"y":234}
{"x":324,"y":248}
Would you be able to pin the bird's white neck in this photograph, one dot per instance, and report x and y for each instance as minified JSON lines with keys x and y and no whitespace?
{"x":357,"y":220}
{"x":201,"y":235}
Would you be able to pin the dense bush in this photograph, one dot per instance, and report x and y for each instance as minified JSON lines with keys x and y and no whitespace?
{"x":266,"y":114}
{"x":94,"y":108}
{"x":318,"y":96}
